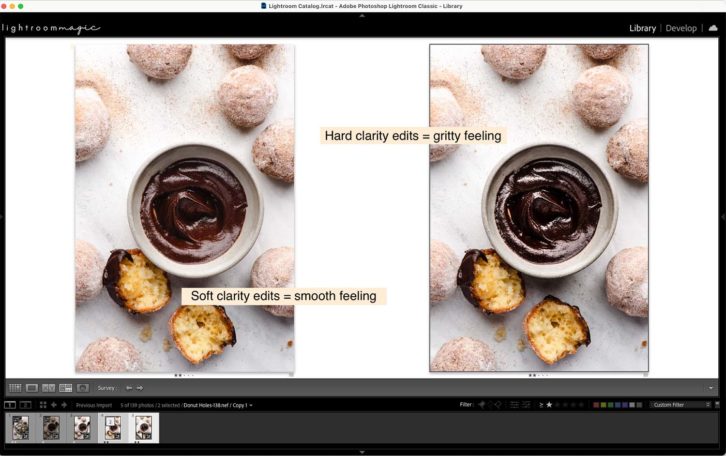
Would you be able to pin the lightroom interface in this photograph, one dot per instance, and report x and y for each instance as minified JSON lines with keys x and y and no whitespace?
{"x":265,"y":196}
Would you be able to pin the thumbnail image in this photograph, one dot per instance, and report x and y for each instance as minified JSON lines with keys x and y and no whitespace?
{"x":539,"y":242}
{"x":177,"y":148}
{"x":82,"y":427}
{"x":21,"y":428}
{"x":113,"y":428}
{"x":144,"y":429}
{"x":51,"y":427}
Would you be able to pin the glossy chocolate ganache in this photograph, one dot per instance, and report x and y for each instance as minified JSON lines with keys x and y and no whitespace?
{"x":193,"y":210}
{"x":547,"y":210}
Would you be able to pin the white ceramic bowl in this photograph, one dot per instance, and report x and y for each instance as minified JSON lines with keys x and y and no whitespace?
{"x":250,"y":228}
{"x":605,"y":227}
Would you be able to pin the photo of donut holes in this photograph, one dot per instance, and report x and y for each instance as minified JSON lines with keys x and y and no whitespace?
{"x":144,"y":111}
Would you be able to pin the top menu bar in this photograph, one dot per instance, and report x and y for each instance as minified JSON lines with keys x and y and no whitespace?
{"x":374,"y":24}
{"x":437,"y":6}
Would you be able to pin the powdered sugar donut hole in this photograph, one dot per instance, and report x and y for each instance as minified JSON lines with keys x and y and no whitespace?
{"x":249,"y":51}
{"x":93,"y":123}
{"x":514,"y":61}
{"x":275,"y":268}
{"x":464,"y":354}
{"x":444,"y":111}
{"x":626,"y":281}
{"x":274,"y":151}
{"x":603,"y":51}
{"x":280,"y":311}
{"x":627,"y":150}
{"x":160,"y":61}
{"x":109,"y":354}
{"x":247,"y":95}
{"x":601,"y":95}
{"x":442,"y":272}
{"x":89,"y":271}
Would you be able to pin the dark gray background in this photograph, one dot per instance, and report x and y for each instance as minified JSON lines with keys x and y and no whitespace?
{"x":444,"y":387}
{"x":443,"y":428}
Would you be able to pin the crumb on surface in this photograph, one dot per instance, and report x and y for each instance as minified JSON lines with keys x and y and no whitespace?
{"x":500,"y":334}
{"x":521,"y":345}
{"x":644,"y":344}
{"x":146,"y":333}
{"x":289,"y":343}
{"x":165,"y":345}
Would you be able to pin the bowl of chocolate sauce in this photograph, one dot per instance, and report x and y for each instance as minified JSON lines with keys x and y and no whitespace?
{"x":194,"y":210}
{"x":549,"y":210}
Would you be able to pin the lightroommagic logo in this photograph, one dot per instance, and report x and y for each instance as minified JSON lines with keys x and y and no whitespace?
{"x":37,"y":29}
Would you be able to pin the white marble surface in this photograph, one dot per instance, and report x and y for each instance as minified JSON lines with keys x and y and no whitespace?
{"x":537,"y":110}
{"x":148,"y":116}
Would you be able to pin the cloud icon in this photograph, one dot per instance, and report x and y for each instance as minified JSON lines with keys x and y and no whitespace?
{"x":713,"y":28}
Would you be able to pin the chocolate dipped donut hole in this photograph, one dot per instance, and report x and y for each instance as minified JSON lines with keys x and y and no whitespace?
{"x":489,"y":283}
{"x":134,"y":283}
